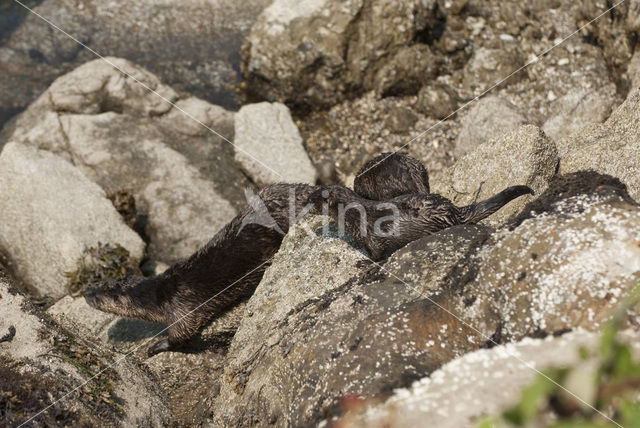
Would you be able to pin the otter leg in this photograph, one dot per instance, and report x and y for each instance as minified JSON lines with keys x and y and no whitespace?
{"x":158,"y":347}
{"x":180,"y":332}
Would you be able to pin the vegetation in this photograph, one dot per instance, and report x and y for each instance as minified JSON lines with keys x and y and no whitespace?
{"x":606,"y":382}
{"x":100,"y":264}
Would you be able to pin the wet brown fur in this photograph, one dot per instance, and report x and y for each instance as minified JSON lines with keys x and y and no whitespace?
{"x":222,"y":273}
{"x":230,"y":266}
{"x":418,"y":215}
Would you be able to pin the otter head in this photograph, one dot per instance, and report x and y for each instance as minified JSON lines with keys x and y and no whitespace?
{"x":131,"y":297}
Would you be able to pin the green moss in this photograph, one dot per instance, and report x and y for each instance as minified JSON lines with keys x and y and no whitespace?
{"x":99,"y":264}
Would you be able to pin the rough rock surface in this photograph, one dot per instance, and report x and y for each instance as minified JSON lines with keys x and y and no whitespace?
{"x":489,"y":118}
{"x":50,"y":214}
{"x":122,"y":136}
{"x":314,"y":52}
{"x":610,"y":148}
{"x":354,"y":130}
{"x":524,"y":156}
{"x":481,"y":383}
{"x":293,"y":359}
{"x":437,"y":100}
{"x":193,"y":45}
{"x":268,"y":145}
{"x":567,"y":264}
{"x":53,"y":363}
{"x":183,"y":377}
{"x":578,"y":109}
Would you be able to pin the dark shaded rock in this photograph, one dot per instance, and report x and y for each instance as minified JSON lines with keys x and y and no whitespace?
{"x":407,"y":70}
{"x":289,"y":56}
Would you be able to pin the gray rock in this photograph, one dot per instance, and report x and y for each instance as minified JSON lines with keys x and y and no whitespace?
{"x":121,"y":136}
{"x":437,"y":100}
{"x":610,"y":148}
{"x":480,"y":384}
{"x":407,"y":70}
{"x":268,"y":145}
{"x":567,"y":265}
{"x":316,"y":52}
{"x":491,"y":117}
{"x":633,"y":71}
{"x":193,"y":45}
{"x":51,"y":212}
{"x":310,"y":338}
{"x":488,"y":66}
{"x":59,"y":360}
{"x":578,"y":109}
{"x":401,"y":120}
{"x":524,"y":156}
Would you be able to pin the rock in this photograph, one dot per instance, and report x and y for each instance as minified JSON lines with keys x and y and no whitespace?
{"x":610,"y":148}
{"x":50,"y":365}
{"x":524,"y":156}
{"x":401,"y":120}
{"x":181,"y":175}
{"x":184,"y":379}
{"x":199,"y":41}
{"x":491,"y":117}
{"x":348,"y":333}
{"x":268,"y":145}
{"x":488,"y":66}
{"x":317,"y":52}
{"x":481,"y":383}
{"x":406,"y":72}
{"x":50,"y":214}
{"x":569,"y":262}
{"x":578,"y":109}
{"x":437,"y":100}
{"x":633,"y":71}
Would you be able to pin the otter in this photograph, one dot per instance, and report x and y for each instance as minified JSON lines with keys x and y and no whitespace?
{"x":190,"y":293}
{"x":230,"y":266}
{"x":383,"y":227}
{"x":390,"y":175}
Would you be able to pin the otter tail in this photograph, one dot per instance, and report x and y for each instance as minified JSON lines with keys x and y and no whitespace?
{"x":476,"y":212}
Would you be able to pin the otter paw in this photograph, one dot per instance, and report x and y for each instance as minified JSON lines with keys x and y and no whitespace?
{"x":158,"y":347}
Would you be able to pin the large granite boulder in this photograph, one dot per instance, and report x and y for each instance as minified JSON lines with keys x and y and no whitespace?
{"x":567,"y":262}
{"x":122,"y":136}
{"x":51,"y":213}
{"x":328,"y":324}
{"x":316,"y":52}
{"x":610,"y":148}
{"x":268,"y":145}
